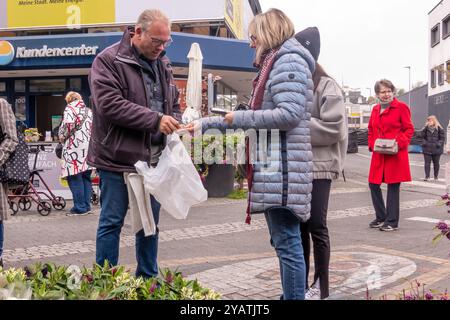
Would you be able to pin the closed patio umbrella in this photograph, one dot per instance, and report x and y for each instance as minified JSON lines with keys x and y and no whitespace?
{"x":194,"y":85}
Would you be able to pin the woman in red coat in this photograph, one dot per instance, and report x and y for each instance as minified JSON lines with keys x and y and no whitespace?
{"x":391,"y":119}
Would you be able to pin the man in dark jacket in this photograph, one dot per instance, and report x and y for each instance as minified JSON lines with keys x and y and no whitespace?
{"x":135,"y":99}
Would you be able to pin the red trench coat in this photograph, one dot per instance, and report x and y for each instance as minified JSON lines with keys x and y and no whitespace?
{"x":394,"y":123}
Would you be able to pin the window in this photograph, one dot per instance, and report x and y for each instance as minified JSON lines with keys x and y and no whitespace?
{"x":441,"y":72}
{"x":75,"y":84}
{"x":448,"y":72}
{"x":48,"y":85}
{"x":19,"y":86}
{"x":226,"y":98}
{"x":2,"y":86}
{"x":433,"y":78}
{"x":20,"y":108}
{"x":446,"y":27}
{"x":435,"y":35}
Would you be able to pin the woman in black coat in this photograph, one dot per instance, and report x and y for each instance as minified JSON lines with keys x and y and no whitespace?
{"x":433,"y":145}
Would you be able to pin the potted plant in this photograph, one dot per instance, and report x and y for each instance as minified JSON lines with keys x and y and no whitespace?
{"x":32,"y":135}
{"x":214,"y":156}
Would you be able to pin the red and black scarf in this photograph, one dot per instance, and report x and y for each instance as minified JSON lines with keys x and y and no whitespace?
{"x":259,"y":86}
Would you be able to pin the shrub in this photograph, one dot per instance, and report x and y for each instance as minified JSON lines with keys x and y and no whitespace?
{"x":49,"y":281}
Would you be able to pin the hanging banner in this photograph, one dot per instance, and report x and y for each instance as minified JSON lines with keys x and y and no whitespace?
{"x":234,"y":16}
{"x":68,"y":13}
{"x":26,"y":14}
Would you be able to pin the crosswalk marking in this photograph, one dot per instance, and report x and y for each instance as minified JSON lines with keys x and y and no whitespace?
{"x":429,"y":220}
{"x":426,"y":184}
{"x":411,"y":163}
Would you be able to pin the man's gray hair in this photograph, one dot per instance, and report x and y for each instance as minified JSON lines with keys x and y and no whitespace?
{"x":151,"y":15}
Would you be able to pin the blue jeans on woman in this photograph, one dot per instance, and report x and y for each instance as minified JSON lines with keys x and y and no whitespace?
{"x":284,"y":229}
{"x":81,"y":187}
{"x":114,"y":200}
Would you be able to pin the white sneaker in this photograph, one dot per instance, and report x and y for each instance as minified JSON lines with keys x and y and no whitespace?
{"x":313,"y":292}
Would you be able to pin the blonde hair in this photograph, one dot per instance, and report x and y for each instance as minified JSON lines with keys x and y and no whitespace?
{"x":151,"y":15}
{"x":271,"y":30}
{"x":73,"y":96}
{"x":435,"y":120}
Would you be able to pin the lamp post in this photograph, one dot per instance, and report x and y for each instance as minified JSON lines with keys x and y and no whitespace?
{"x":409,"y":83}
{"x":370,"y":92}
{"x":370,"y":95}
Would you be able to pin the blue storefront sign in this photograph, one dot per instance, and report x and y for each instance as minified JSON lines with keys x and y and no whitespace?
{"x":79,"y":51}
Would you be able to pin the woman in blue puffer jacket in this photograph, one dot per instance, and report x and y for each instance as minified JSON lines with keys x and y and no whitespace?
{"x":280,"y":180}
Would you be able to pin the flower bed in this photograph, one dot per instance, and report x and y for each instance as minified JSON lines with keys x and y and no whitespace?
{"x":48,"y":282}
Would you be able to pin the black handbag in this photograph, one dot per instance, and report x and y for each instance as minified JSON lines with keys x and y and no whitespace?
{"x":58,"y":150}
{"x":16,"y":170}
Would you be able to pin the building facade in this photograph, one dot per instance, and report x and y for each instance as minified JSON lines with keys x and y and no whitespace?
{"x":439,"y":61}
{"x":418,"y":102}
{"x":47,"y":48}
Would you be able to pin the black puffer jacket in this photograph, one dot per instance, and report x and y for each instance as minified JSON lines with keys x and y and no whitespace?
{"x":433,"y":140}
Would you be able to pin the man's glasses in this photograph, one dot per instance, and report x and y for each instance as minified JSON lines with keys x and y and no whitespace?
{"x":158,"y":42}
{"x":386,"y":92}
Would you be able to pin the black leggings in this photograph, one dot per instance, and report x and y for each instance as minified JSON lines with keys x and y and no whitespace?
{"x":316,"y":226}
{"x":435,"y":158}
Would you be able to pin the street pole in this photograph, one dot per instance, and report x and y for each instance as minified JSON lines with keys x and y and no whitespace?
{"x":370,"y":92}
{"x":409,"y":82}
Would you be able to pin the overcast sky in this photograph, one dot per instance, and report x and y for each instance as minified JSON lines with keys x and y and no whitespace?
{"x":366,"y":40}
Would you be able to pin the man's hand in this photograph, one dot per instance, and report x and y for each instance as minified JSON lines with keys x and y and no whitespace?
{"x":229,"y":118}
{"x":193,"y":126}
{"x":168,"y":125}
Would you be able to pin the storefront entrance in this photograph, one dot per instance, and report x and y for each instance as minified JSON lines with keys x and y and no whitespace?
{"x":39,"y":102}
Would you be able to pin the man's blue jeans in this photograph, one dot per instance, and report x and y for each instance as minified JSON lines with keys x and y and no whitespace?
{"x":1,"y":238}
{"x":284,"y":229}
{"x":114,"y":200}
{"x":81,"y":187}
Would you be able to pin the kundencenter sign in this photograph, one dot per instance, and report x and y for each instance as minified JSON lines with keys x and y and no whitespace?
{"x":46,"y":52}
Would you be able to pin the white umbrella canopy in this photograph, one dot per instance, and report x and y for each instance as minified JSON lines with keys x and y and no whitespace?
{"x":194,"y":85}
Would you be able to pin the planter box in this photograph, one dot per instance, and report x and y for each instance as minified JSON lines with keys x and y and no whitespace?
{"x":220,"y":180}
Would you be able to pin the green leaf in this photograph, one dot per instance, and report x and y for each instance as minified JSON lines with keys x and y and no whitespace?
{"x":437,"y":238}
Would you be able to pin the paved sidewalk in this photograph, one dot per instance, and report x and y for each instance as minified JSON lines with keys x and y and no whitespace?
{"x":215,"y":246}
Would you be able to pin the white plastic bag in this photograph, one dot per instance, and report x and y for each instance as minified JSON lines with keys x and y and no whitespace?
{"x":174,"y":182}
{"x":189,"y":115}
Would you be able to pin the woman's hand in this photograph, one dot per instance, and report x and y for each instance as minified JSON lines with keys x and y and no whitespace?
{"x":191,"y":127}
{"x":229,"y":117}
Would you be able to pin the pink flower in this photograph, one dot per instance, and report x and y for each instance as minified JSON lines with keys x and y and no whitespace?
{"x":153,"y":287}
{"x":429,"y":296}
{"x":442,"y":226}
{"x":169,"y":277}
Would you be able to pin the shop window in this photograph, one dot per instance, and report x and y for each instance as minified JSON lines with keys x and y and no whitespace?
{"x":2,"y":86}
{"x":433,"y":78}
{"x":226,"y":98}
{"x":441,"y":72}
{"x":75,"y":84}
{"x":435,"y":35}
{"x":19,"y":86}
{"x":220,"y":95}
{"x":446,"y":27}
{"x":48,"y":85}
{"x":20,"y":108}
{"x":228,"y":104}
